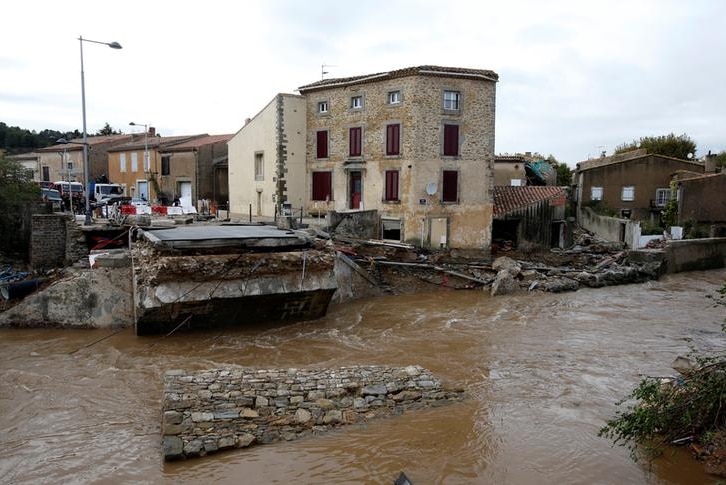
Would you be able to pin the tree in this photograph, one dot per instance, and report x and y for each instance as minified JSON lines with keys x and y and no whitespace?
{"x":721,"y":160}
{"x":18,"y":193}
{"x":107,"y":130}
{"x":671,"y":145}
{"x":564,"y":174}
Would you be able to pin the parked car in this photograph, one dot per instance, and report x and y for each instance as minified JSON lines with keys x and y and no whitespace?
{"x":52,"y":197}
{"x":139,"y":201}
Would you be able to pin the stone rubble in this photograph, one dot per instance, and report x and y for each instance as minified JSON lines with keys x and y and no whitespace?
{"x":209,"y":411}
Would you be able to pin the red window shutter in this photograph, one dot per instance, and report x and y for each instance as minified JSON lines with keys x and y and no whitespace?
{"x":393,"y":139}
{"x":355,"y":142}
{"x":450,"y":190}
{"x":322,"y":144}
{"x":322,"y":185}
{"x":391,"y":185}
{"x":451,"y":140}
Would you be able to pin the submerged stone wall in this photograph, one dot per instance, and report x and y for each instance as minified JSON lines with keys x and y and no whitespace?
{"x":207,"y":411}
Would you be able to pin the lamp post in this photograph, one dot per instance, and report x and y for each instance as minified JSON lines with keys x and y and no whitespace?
{"x":112,"y":45}
{"x":147,"y":168}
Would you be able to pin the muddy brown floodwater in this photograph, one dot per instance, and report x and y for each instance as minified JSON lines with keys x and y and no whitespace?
{"x":543,"y":372}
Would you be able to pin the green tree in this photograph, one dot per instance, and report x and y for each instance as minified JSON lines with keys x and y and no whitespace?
{"x":671,"y":145}
{"x":564,"y":174}
{"x":107,"y":130}
{"x":18,"y":194}
{"x":721,"y":160}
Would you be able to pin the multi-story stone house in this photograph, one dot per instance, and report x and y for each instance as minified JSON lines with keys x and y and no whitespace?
{"x":267,"y":159}
{"x":415,"y":144}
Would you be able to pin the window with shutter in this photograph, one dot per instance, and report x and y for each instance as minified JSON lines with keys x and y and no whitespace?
{"x":355,"y":142}
{"x":322,"y":186}
{"x":322,"y":144}
{"x":451,"y":140}
{"x":391,"y":193}
{"x":450,"y":189}
{"x":393,"y":139}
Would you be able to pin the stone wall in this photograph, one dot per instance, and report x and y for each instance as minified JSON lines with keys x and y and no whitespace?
{"x":207,"y":411}
{"x":695,"y":254}
{"x":56,"y":240}
{"x":358,"y":224}
{"x":610,"y":228}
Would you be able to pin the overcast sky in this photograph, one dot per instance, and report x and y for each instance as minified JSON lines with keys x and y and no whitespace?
{"x":575,"y":77}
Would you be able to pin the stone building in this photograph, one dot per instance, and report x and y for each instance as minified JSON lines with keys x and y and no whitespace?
{"x":267,"y":159}
{"x":415,"y":144}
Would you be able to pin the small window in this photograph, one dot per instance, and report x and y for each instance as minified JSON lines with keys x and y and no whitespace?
{"x":259,"y":166}
{"x":662,"y":196}
{"x":322,"y":144}
{"x":46,"y":174}
{"x":322,"y":187}
{"x":628,"y":193}
{"x":356,"y":102}
{"x":394,"y":97}
{"x":596,"y":193}
{"x":70,"y":165}
{"x":450,"y":189}
{"x":391,"y":229}
{"x":452,"y":100}
{"x":134,"y":162}
{"x":322,"y":107}
{"x":451,"y":140}
{"x":122,"y":162}
{"x":393,"y":140}
{"x":354,"y":144}
{"x":166,"y":165}
{"x":391,"y":193}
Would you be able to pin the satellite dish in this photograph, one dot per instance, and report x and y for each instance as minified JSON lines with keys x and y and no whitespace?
{"x":431,"y":188}
{"x":690,"y":156}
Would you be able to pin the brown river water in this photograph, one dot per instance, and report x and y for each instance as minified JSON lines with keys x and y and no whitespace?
{"x":542,"y":371}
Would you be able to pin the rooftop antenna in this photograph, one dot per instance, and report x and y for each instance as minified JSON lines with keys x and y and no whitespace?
{"x":323,"y":72}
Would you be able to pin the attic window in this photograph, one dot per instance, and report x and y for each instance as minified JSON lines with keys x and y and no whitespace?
{"x":322,"y":107}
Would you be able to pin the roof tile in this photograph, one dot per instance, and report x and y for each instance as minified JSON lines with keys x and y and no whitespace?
{"x":508,"y":199}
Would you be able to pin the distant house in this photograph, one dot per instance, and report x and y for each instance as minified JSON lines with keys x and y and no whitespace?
{"x":30,"y":162}
{"x":187,"y":169}
{"x":632,"y":185}
{"x":267,"y":159}
{"x":415,"y":145}
{"x":701,"y":198}
{"x":126,"y":166}
{"x":509,"y":170}
{"x":65,"y":161}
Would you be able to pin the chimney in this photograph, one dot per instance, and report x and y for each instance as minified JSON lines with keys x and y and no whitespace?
{"x":709,"y":163}
{"x":152,"y":131}
{"x":247,"y":120}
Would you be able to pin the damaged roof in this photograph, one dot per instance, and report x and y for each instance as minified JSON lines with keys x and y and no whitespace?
{"x":438,"y":71}
{"x":510,"y":199}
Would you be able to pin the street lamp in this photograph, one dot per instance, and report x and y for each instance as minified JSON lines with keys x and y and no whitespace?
{"x":112,"y":45}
